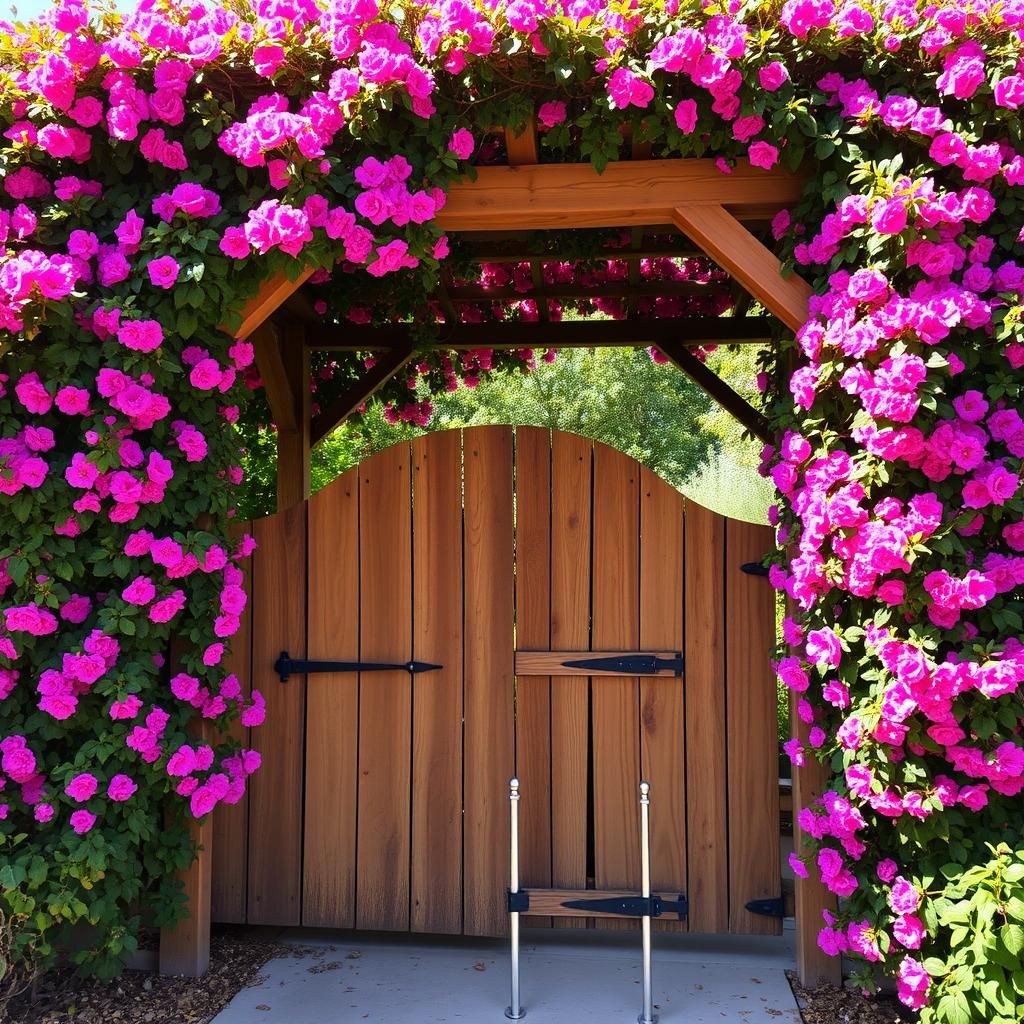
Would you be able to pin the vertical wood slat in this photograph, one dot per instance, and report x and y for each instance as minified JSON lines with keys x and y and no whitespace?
{"x":275,"y":796}
{"x":385,"y":698}
{"x":615,"y":753}
{"x":231,"y":821}
{"x":533,"y":630}
{"x":752,"y":752}
{"x":329,"y":854}
{"x":489,"y":757}
{"x":662,"y":737}
{"x":436,"y":862}
{"x":571,"y":482}
{"x":706,"y":829}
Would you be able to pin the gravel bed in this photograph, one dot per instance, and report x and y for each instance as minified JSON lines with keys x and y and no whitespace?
{"x":144,"y":997}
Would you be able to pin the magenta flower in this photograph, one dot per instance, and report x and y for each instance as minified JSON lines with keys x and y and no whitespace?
{"x":82,"y":821}
{"x":81,"y":787}
{"x":625,"y":88}
{"x":461,"y":143}
{"x":163,"y":271}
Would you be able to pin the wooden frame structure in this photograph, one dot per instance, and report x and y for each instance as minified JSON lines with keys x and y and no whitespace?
{"x":715,"y":213}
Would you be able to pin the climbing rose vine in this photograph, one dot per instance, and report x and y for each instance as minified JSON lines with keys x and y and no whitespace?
{"x":158,"y":165}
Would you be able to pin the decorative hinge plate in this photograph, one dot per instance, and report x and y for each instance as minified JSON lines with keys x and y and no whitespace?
{"x":774,"y":906}
{"x":286,"y":666}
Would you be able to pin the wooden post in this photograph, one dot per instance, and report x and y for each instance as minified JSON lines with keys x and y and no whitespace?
{"x":813,"y":967}
{"x":185,"y":948}
{"x":293,"y":445}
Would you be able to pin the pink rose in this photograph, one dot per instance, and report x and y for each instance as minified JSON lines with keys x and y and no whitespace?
{"x":82,"y":821}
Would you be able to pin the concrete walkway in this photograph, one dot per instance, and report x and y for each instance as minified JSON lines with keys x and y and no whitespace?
{"x":567,"y":977}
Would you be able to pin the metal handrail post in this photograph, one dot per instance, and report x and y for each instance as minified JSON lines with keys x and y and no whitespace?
{"x":514,"y":1011}
{"x":647,"y":1015}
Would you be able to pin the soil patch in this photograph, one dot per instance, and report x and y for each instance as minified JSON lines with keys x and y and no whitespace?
{"x":144,"y":997}
{"x":830,"y":1005}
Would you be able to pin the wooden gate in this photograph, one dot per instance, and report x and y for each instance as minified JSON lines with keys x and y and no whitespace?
{"x":381,"y":803}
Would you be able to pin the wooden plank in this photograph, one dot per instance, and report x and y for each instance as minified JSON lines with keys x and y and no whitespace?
{"x":533,"y":626}
{"x":615,"y":753}
{"x":571,"y":479}
{"x":662,"y":734}
{"x":436,"y":873}
{"x":360,"y":391}
{"x":747,"y":259}
{"x":540,"y":663}
{"x":293,"y":453}
{"x":185,"y":948}
{"x":522,"y":148}
{"x":752,"y":751}
{"x":489,"y":621}
{"x":706,"y":831}
{"x":231,"y":821}
{"x":271,"y":295}
{"x":275,"y":796}
{"x":682,"y":330}
{"x":551,"y":902}
{"x":332,"y":735}
{"x":545,"y":196}
{"x":385,"y":698}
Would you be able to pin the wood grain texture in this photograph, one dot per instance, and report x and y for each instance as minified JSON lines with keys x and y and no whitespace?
{"x":231,"y":821}
{"x":662,"y":732}
{"x":272,"y":293}
{"x":533,"y":627}
{"x":545,"y":196}
{"x":274,"y":374}
{"x":385,"y":698}
{"x":489,"y":643}
{"x":332,"y":720}
{"x":752,"y":752}
{"x":746,"y":259}
{"x":541,"y":663}
{"x":275,"y":793}
{"x":571,"y":500}
{"x":615,"y":754}
{"x":436,"y":863}
{"x":706,"y":829}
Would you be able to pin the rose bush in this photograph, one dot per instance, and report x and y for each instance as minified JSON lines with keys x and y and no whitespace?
{"x":158,"y":165}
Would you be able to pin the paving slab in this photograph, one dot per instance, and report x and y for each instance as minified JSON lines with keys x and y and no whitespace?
{"x":334,"y":977}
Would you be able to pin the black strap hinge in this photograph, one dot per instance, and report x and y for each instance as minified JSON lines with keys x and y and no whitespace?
{"x":754,"y":569}
{"x":633,"y":906}
{"x":774,"y":906}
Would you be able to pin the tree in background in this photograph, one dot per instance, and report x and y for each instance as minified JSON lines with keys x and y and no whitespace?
{"x":621,"y":397}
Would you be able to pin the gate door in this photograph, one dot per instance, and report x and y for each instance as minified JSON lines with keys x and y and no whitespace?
{"x":381,"y":803}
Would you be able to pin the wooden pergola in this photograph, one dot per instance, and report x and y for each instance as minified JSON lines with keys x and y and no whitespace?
{"x":710,"y":214}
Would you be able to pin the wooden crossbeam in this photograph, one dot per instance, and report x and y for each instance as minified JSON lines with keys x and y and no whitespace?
{"x":386,"y":366}
{"x":686,"y":331}
{"x":724,"y":395}
{"x":609,"y":290}
{"x":546,"y":196}
{"x":746,"y":259}
{"x":488,"y":254}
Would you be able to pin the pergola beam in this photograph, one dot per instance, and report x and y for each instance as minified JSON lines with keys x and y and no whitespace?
{"x":386,"y":366}
{"x":688,"y":331}
{"x":713,"y":385}
{"x":275,"y":376}
{"x":747,"y":260}
{"x":262,"y":306}
{"x":642,"y":192}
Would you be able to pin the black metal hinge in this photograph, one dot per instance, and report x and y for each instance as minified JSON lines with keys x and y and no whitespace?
{"x":774,"y":906}
{"x":286,"y":666}
{"x":625,"y":906}
{"x":754,"y":569}
{"x":631,"y":664}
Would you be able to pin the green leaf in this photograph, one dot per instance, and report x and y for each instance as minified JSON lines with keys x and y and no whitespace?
{"x":1012,"y":937}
